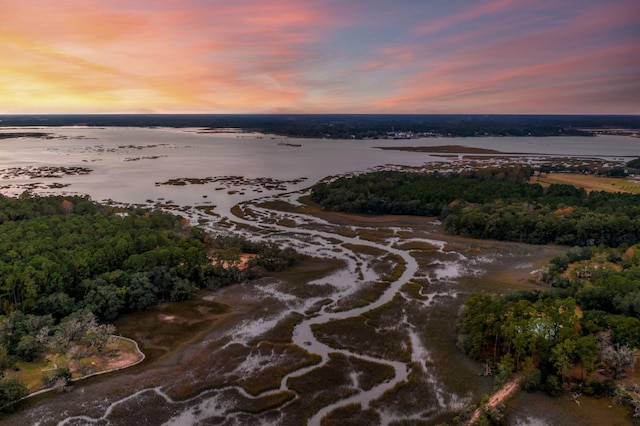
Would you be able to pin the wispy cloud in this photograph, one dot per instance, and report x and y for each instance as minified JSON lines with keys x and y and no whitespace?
{"x":317,"y":56}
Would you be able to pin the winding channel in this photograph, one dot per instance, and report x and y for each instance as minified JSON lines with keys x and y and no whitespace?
{"x":311,"y":241}
{"x":303,"y":335}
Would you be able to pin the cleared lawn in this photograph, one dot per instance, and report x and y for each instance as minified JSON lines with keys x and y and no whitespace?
{"x":590,"y":182}
{"x":119,"y":353}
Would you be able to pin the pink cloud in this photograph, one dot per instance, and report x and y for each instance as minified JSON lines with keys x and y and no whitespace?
{"x":251,"y":53}
{"x":439,"y":24}
{"x":255,"y":56}
{"x":476,"y":70}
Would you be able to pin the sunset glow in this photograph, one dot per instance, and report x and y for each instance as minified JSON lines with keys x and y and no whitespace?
{"x":320,"y":56}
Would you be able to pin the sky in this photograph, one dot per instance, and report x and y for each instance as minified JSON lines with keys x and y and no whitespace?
{"x":320,"y":56}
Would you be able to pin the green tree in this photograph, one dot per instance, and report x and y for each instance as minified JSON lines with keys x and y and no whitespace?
{"x":12,"y":389}
{"x":98,"y":336}
{"x":587,"y":352}
{"x":183,"y":290}
{"x":562,"y":356}
{"x":28,"y":349}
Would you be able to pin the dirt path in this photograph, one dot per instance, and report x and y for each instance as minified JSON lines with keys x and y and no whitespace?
{"x":498,"y":397}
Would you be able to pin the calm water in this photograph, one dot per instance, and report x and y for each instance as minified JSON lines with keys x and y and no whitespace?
{"x":127,"y":163}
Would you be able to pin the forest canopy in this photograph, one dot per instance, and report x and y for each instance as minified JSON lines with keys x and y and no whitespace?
{"x":495,"y":203}
{"x":588,"y":319}
{"x":69,"y":265}
{"x":60,"y":253}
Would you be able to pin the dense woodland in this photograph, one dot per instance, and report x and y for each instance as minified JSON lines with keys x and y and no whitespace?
{"x":492,"y":204}
{"x":68,"y":265}
{"x":589,"y":319}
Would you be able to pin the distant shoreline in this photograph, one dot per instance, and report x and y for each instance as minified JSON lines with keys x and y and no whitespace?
{"x":354,"y":126}
{"x":460,"y":149}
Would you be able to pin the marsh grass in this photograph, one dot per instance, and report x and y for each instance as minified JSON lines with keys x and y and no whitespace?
{"x":132,"y":410}
{"x":318,"y":306}
{"x":389,"y":265}
{"x":208,"y":210}
{"x":280,"y":205}
{"x":397,"y":266}
{"x":309,"y":269}
{"x":351,"y":415}
{"x":416,"y":246}
{"x":378,"y":235}
{"x":345,"y":232}
{"x":375,"y":333}
{"x":457,"y":372}
{"x":238,"y":211}
{"x":322,"y":386}
{"x":288,"y":223}
{"x":282,"y":332}
{"x":413,"y":288}
{"x":366,"y":294}
{"x":371,"y":374}
{"x":279,"y":361}
{"x":364,"y":249}
{"x":538,"y":408}
{"x":246,"y":227}
{"x":412,"y":397}
{"x":269,"y":402}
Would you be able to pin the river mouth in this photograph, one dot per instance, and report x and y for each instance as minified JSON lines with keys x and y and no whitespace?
{"x":363,"y":328}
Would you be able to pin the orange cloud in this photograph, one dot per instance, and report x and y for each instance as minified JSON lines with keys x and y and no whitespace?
{"x":308,"y":56}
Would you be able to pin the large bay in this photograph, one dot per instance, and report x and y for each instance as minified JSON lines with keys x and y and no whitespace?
{"x":126,"y":163}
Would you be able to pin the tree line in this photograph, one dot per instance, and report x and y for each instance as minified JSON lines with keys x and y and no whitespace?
{"x":352,"y":125}
{"x":589,"y":319}
{"x":492,"y":204}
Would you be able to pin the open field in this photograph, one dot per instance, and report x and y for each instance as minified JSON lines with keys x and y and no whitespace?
{"x":590,"y":182}
{"x":119,"y":353}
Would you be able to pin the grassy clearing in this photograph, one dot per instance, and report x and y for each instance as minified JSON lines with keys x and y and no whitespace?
{"x":590,"y":182}
{"x":118,"y":353}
